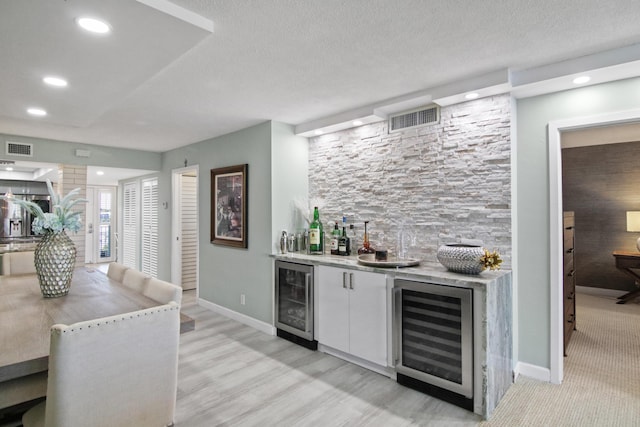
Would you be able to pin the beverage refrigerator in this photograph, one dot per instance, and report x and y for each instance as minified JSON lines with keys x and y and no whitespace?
{"x":433,"y":340}
{"x":294,"y":303}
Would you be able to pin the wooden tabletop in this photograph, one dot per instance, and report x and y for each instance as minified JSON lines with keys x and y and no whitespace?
{"x":631,"y":254}
{"x":26,"y":317}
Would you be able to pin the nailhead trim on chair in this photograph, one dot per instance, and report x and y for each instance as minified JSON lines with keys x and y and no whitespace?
{"x":173,"y":307}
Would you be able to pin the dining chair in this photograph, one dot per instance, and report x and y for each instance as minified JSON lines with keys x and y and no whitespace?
{"x":18,"y":263}
{"x":135,"y":280}
{"x":116,"y":271}
{"x":162,"y":292}
{"x":115,"y":371}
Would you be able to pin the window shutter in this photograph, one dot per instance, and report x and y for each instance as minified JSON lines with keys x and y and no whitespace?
{"x":189,"y":232}
{"x":130,"y":225}
{"x":149,"y":249}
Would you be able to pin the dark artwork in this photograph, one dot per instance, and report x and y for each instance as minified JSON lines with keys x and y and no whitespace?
{"x":229,"y":206}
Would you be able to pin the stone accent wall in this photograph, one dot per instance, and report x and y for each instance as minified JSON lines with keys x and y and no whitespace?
{"x":444,"y":183}
{"x":71,"y":177}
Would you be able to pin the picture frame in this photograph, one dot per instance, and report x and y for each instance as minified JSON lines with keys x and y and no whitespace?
{"x":229,"y":206}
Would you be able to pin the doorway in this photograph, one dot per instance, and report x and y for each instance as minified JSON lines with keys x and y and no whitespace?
{"x":184,"y":251}
{"x":101,"y":225}
{"x":555,"y":130}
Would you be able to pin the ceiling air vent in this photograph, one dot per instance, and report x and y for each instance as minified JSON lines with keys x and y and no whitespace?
{"x":423,"y":116}
{"x":19,"y":149}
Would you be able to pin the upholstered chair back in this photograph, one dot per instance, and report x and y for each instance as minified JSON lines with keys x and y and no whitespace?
{"x":114,"y":371}
{"x":116,"y":271}
{"x":162,"y":292}
{"x":135,"y":280}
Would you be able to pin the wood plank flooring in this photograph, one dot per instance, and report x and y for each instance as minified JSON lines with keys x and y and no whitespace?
{"x":233,"y":375}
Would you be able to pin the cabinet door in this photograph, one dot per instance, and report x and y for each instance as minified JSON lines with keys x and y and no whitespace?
{"x":368,"y":317}
{"x":333,"y":308}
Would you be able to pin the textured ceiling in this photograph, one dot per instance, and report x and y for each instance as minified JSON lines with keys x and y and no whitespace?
{"x":168,"y":84}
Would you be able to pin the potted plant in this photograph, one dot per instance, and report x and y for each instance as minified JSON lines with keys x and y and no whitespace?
{"x":55,"y":253}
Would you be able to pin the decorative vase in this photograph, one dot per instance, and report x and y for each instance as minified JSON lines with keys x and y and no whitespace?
{"x":461,"y":258}
{"x":55,"y":260}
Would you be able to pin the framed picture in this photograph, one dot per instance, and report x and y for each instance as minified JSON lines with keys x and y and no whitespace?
{"x":229,"y":206}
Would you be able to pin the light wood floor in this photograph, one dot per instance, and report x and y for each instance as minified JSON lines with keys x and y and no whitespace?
{"x":233,"y":375}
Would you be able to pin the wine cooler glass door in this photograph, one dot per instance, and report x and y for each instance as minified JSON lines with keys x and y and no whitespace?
{"x":434,"y":326}
{"x":294,"y":299}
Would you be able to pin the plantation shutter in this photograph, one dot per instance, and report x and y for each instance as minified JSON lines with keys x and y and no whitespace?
{"x":149,"y":249}
{"x":130,"y":225}
{"x":189,"y":231}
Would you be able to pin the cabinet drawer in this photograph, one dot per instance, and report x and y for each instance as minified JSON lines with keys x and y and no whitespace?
{"x":567,"y":242}
{"x":568,"y":220}
{"x":569,"y":292}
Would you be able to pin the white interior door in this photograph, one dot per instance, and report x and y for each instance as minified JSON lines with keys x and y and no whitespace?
{"x":184,"y":252}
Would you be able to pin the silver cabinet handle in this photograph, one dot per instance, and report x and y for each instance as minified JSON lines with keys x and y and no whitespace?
{"x":396,"y":326}
{"x":350,"y":280}
{"x":344,"y":280}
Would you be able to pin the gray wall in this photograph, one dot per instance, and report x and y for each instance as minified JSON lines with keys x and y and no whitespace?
{"x":225,"y":272}
{"x":446,"y":182}
{"x":532,"y":209}
{"x":600,"y":184}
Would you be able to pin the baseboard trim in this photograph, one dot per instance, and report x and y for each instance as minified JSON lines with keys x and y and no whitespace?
{"x":599,"y":292}
{"x":532,"y":371}
{"x":242,"y":318}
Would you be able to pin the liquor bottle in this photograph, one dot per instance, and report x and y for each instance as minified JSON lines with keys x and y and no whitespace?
{"x":366,"y":245}
{"x":316,"y":235}
{"x":335,"y":236}
{"x":344,"y":245}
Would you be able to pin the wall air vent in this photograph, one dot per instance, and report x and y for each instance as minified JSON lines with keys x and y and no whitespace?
{"x":19,"y":149}
{"x":423,"y":116}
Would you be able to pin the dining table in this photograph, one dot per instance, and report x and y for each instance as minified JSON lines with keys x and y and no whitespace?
{"x":26,"y":316}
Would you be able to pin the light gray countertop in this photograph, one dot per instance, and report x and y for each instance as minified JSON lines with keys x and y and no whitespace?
{"x":432,"y":272}
{"x":17,"y":247}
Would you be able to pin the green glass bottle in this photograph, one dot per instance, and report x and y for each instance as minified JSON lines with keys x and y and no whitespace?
{"x":316,"y":235}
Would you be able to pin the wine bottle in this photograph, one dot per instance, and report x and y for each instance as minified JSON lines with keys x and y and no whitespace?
{"x":335,"y":236}
{"x":344,"y":244}
{"x":316,"y":244}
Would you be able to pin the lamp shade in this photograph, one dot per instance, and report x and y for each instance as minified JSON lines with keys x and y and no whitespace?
{"x":633,"y":221}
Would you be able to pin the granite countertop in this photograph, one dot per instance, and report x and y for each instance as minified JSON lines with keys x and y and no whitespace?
{"x":17,"y":247}
{"x":427,"y":271}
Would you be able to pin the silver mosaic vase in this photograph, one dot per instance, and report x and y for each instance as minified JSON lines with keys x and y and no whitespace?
{"x":461,"y":258}
{"x":55,"y":260}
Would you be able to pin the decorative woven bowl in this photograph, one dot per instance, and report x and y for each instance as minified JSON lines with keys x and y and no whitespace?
{"x":461,"y":258}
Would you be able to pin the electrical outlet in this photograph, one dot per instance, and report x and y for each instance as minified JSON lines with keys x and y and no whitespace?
{"x":242,"y":299}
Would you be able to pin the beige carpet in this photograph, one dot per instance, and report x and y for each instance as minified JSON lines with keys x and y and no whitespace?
{"x":601,"y":384}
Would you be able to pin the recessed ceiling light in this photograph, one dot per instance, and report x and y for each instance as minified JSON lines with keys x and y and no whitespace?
{"x":318,"y":132}
{"x":55,"y":81}
{"x":94,"y":25}
{"x":357,"y":122}
{"x":581,"y":80}
{"x":36,"y":111}
{"x":99,"y":173}
{"x":9,"y":168}
{"x":472,"y":95}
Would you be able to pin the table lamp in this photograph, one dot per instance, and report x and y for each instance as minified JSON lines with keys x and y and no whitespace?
{"x":633,"y":224}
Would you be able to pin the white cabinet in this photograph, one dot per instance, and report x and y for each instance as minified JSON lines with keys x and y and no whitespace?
{"x":352,"y":312}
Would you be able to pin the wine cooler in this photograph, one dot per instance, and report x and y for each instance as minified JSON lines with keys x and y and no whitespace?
{"x":433,"y":339}
{"x":294,"y":303}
